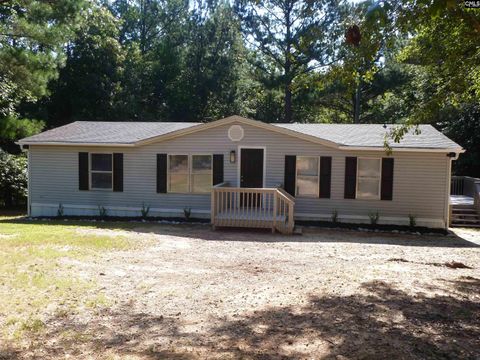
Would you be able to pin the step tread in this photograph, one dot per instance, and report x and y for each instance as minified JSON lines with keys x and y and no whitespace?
{"x":466,"y":220}
{"x":466,"y":225}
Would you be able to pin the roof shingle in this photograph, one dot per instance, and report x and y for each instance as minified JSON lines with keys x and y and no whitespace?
{"x":347,"y":135}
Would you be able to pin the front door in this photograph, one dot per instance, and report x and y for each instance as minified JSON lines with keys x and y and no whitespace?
{"x":251,"y":168}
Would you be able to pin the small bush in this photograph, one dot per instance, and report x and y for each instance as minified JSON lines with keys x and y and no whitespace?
{"x":187,"y":212}
{"x":374,"y":216}
{"x":60,"y":210}
{"x":102,"y":211}
{"x":13,"y":179}
{"x":145,"y":210}
{"x":413,"y":220}
{"x":334,"y":216}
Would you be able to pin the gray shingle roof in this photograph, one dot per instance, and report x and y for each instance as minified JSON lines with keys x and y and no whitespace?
{"x":373,"y":135}
{"x":129,"y":133}
{"x":105,"y":132}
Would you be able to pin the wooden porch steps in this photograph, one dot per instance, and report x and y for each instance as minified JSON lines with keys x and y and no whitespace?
{"x":464,"y":216}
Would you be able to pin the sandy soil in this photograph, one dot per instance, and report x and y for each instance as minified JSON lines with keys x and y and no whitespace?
{"x":193,"y":293}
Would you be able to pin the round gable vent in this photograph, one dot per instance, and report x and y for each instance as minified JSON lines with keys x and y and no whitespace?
{"x":235,"y":133}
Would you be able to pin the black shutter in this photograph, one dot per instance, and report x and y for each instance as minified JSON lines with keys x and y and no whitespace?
{"x":83,"y":171}
{"x":117,"y":172}
{"x":217,"y":169}
{"x":387,"y":179}
{"x":289,"y":176}
{"x":350,"y":178}
{"x":161,"y":173}
{"x":325,"y":176}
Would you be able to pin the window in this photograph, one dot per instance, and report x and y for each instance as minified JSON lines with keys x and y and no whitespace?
{"x":101,"y":168}
{"x":178,"y":173}
{"x":201,"y":173}
{"x":368,"y":178}
{"x":307,"y":176}
{"x":190,"y":173}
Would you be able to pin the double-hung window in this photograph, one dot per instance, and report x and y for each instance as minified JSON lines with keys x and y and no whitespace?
{"x":307,"y":176}
{"x":189,"y":173}
{"x":369,"y":178}
{"x":178,"y":173}
{"x":101,"y":170}
{"x":201,"y":176}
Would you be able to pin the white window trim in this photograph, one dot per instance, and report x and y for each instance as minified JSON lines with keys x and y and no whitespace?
{"x":189,"y":173}
{"x":317,"y":194}
{"x":379,"y":179}
{"x":90,"y":171}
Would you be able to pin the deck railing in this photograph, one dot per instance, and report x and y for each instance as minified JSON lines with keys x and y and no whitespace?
{"x":252,"y":207}
{"x":467,"y":186}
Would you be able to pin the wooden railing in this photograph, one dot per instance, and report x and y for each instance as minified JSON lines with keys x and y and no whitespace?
{"x":464,"y":185}
{"x":252,"y":207}
{"x":467,"y":186}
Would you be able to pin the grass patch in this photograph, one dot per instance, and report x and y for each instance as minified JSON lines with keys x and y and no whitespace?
{"x":36,"y":278}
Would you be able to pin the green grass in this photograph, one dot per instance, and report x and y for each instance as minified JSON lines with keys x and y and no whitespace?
{"x":37,"y":279}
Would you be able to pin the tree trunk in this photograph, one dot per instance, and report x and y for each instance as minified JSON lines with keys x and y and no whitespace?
{"x":288,"y":102}
{"x":356,"y":104}
{"x":287,"y":69}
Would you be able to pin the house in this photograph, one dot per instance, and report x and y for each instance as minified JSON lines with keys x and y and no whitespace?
{"x":241,"y":172}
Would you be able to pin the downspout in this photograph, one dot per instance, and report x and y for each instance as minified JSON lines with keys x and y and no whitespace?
{"x":26,"y":148}
{"x":450,"y":156}
{"x":447,"y":200}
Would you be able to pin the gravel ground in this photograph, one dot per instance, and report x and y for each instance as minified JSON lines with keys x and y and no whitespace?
{"x":193,"y":293}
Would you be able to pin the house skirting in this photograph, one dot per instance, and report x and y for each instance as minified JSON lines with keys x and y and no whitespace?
{"x":48,"y":210}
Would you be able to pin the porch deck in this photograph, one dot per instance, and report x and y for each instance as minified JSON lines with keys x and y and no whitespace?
{"x":252,"y":207}
{"x":465,"y":201}
{"x":461,"y":200}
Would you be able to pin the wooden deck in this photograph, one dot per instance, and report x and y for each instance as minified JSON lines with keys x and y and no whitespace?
{"x":461,"y":200}
{"x":252,"y":207}
{"x":465,"y":201}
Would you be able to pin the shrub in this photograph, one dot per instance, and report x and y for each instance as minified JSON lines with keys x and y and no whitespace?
{"x":60,"y":210}
{"x":413,"y":220}
{"x":145,"y":210}
{"x":334,"y":216}
{"x":102,"y":211}
{"x":374,"y":216}
{"x":187,"y":212}
{"x":13,"y":179}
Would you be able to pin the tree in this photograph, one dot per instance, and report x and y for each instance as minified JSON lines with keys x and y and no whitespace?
{"x":291,"y":38}
{"x":13,"y":179}
{"x":32,"y":34}
{"x":213,"y":62}
{"x":445,"y":46}
{"x":88,"y":85}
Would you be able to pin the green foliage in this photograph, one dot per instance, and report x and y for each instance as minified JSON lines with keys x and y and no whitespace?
{"x":462,"y":125}
{"x":88,"y":85}
{"x":334,"y":216}
{"x":60,"y":210}
{"x":13,"y":128}
{"x":145,"y":210}
{"x":32,"y":34}
{"x":187,"y":212}
{"x":273,"y":60}
{"x":374,"y":217}
{"x":102,"y":211}
{"x":412,"y":220}
{"x":13,"y":179}
{"x":290,"y":38}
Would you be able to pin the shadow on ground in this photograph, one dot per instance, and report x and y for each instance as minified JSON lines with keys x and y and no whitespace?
{"x":382,"y":323}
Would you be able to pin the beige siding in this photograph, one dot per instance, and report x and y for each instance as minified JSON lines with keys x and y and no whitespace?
{"x":420,"y":179}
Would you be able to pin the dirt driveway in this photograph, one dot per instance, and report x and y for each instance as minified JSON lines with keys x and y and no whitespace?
{"x":192,"y":293}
